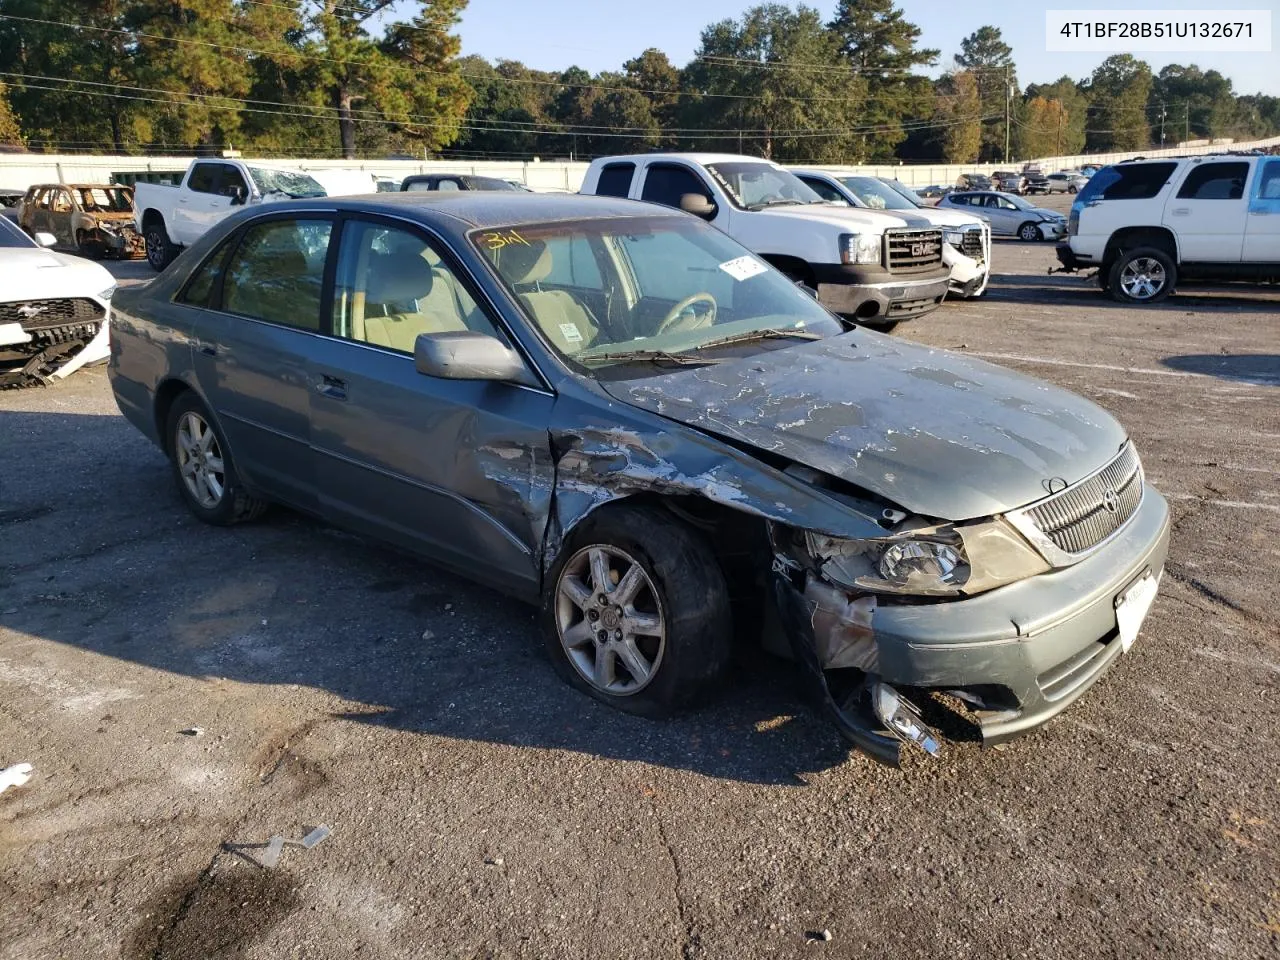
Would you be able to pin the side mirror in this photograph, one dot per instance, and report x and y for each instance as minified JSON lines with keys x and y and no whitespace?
{"x":807,"y":289}
{"x":46,"y":239}
{"x":698,"y":205}
{"x":467,"y":355}
{"x":238,"y":195}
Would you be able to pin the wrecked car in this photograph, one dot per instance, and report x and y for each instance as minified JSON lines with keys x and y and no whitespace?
{"x":54,"y":310}
{"x":94,"y":219}
{"x":616,"y":412}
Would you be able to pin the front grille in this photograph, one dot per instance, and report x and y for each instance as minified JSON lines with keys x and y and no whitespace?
{"x":1082,"y":516}
{"x":913,"y":251}
{"x":971,"y":244}
{"x":35,"y":314}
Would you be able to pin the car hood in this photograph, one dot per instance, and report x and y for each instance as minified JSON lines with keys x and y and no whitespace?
{"x":34,"y":273}
{"x":1046,"y":212}
{"x":846,"y":218}
{"x":949,"y":218}
{"x":939,"y":434}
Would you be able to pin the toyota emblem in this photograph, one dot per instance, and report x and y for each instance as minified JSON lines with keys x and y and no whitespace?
{"x":1111,"y":501}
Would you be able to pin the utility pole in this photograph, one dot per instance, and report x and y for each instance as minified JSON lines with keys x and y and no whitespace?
{"x":1008,"y":96}
{"x":1163,"y":114}
{"x":1186,"y":117}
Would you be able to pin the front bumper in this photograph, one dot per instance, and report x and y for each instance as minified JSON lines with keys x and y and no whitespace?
{"x":1026,"y":650}
{"x":886,"y":299}
{"x":968,"y":276}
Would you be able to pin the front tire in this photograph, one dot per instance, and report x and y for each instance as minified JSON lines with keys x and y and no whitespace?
{"x":1142,"y":275}
{"x":202,"y":466}
{"x":1071,"y":189}
{"x":638,"y":612}
{"x":1029,"y":231}
{"x":160,"y":249}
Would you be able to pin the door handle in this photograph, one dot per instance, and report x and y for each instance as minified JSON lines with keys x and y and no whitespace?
{"x":208,"y":349}
{"x":182,"y":199}
{"x":335,"y":388}
{"x":1180,"y":211}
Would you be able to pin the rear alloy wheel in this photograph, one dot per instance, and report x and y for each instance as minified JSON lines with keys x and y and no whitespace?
{"x":1144,"y":275}
{"x":638,"y":612}
{"x":1029,"y":231}
{"x":202,"y":465}
{"x":160,"y":251}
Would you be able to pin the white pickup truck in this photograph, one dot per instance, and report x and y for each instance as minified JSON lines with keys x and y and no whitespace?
{"x":170,"y":218}
{"x":866,"y":265}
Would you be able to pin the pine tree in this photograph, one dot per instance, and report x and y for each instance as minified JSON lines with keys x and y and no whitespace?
{"x":990,"y":59}
{"x":10,"y":133}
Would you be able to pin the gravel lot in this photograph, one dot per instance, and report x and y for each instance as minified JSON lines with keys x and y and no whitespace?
{"x":481,"y":810}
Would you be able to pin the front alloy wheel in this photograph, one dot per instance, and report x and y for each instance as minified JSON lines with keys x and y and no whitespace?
{"x":610,"y":620}
{"x":200,"y":460}
{"x":1029,"y":231}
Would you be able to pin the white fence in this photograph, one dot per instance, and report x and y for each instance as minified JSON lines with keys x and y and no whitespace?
{"x":20,"y":170}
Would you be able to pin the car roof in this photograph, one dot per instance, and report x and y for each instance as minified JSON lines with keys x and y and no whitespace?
{"x":691,"y":156}
{"x":493,"y":208}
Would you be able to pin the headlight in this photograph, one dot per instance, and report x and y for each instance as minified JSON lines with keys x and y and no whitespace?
{"x":107,"y":293}
{"x":944,"y":560}
{"x":859,"y":248}
{"x":953,"y":236}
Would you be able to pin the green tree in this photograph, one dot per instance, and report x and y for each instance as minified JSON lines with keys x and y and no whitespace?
{"x":1040,"y":126}
{"x":10,"y":133}
{"x":1118,"y":91}
{"x":959,"y":129}
{"x":985,"y":54}
{"x":1067,"y":136}
{"x":653,"y":74}
{"x":881,"y":47}
{"x":506,"y":101}
{"x":431,"y":96}
{"x":788,"y":92}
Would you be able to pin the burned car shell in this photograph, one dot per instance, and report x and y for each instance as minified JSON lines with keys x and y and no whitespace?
{"x":60,"y":209}
{"x":829,"y":437}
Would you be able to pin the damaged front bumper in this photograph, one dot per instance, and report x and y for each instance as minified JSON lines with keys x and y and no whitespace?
{"x":1020,"y":654}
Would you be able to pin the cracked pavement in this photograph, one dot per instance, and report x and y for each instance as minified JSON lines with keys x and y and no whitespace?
{"x":481,"y":809}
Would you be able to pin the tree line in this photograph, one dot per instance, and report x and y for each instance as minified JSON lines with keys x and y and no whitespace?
{"x":357,"y":78}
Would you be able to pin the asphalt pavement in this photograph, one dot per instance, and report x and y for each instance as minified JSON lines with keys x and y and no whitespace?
{"x":480,"y":809}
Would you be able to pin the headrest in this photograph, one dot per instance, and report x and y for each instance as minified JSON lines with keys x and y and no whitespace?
{"x":525,"y":263}
{"x":396,"y":277}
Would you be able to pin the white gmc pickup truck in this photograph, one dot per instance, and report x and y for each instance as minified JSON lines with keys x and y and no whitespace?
{"x":170,"y":218}
{"x":869,"y":266}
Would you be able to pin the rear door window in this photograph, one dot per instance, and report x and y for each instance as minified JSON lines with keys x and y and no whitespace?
{"x":615,"y":180}
{"x":666,"y":183}
{"x":203,"y":177}
{"x":1215,"y":181}
{"x":1127,"y":181}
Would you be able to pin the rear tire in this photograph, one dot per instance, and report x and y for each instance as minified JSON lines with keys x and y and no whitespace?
{"x":637,"y":615}
{"x":1142,"y":275}
{"x":203,"y":468}
{"x":160,"y":249}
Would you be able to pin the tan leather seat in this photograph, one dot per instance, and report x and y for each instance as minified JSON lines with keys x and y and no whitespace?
{"x":566,"y":322}
{"x":405,"y":297}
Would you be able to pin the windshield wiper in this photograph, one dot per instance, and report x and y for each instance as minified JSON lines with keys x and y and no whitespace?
{"x":681,"y":358}
{"x":769,"y":333}
{"x":775,"y":203}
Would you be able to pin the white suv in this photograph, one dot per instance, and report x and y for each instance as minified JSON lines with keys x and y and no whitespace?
{"x":1147,"y":224}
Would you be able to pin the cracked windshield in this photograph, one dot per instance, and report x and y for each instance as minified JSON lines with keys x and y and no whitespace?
{"x":621,"y":291}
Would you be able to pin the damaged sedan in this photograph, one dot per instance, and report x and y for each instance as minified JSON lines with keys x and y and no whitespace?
{"x":618,"y":413}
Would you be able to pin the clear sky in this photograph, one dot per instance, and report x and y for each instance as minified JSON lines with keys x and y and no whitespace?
{"x":600,"y":34}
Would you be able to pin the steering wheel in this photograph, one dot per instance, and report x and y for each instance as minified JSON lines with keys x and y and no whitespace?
{"x":672,"y":321}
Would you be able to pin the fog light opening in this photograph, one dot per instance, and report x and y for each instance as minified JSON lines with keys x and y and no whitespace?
{"x":867,"y":310}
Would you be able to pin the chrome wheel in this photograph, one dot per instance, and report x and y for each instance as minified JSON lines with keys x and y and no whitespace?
{"x":1030,"y":232}
{"x":610,"y":620}
{"x":1143,"y":278}
{"x":200,"y":460}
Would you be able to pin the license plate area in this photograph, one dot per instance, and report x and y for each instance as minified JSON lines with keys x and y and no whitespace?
{"x":1133,"y":604}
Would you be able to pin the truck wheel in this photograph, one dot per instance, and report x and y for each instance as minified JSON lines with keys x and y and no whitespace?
{"x":1029,"y":231}
{"x":160,"y":250}
{"x":637,"y":613}
{"x":1142,"y":275}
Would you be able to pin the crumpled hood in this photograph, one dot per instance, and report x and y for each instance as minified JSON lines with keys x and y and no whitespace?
{"x":35,"y":273}
{"x":940,"y":217}
{"x":939,"y":434}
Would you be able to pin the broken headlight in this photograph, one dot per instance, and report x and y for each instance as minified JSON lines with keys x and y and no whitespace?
{"x":954,"y":236}
{"x":940,"y":560}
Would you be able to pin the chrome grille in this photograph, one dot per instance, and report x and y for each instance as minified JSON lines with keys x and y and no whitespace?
{"x":971,"y":243}
{"x":33,"y":314}
{"x":1082,"y":516}
{"x":913,"y":251}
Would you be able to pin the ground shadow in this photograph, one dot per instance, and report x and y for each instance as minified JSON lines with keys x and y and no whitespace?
{"x":1260,"y":369}
{"x":1062,"y":288}
{"x":102,"y":555}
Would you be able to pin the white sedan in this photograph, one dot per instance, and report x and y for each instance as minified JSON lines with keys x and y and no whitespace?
{"x":54,"y":310}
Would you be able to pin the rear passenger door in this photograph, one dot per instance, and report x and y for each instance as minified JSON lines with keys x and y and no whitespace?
{"x":1262,"y":236}
{"x":459,"y":471}
{"x":256,"y":344}
{"x":1209,"y":211}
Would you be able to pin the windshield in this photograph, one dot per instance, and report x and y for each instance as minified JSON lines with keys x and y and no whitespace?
{"x":755,"y":186}
{"x":106,"y":199}
{"x":1018,"y":202}
{"x":294,"y":184}
{"x":877,"y":195}
{"x":11,"y":236}
{"x":616,"y":291}
{"x":905,"y":191}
